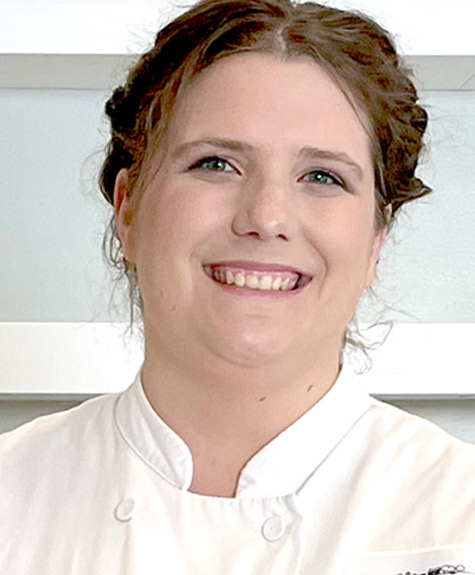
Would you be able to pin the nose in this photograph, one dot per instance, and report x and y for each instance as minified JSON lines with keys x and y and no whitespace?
{"x":263,"y":211}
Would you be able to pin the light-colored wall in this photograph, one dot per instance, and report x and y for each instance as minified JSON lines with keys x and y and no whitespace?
{"x":122,"y":26}
{"x":52,"y":215}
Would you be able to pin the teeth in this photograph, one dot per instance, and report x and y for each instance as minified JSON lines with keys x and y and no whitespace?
{"x":277,"y":283}
{"x":239,"y":280}
{"x":265,"y":283}
{"x":252,"y":281}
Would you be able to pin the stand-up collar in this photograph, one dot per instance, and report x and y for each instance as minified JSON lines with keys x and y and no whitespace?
{"x":280,"y":468}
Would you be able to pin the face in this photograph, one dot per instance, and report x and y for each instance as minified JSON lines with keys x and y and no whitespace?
{"x":255,"y":238}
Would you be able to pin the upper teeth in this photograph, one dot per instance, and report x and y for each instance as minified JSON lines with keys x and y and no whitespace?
{"x":256,"y":280}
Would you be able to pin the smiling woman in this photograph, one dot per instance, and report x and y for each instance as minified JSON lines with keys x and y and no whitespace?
{"x":273,"y":202}
{"x":259,"y":153}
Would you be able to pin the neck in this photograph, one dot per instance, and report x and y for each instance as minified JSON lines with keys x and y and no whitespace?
{"x":226,"y":412}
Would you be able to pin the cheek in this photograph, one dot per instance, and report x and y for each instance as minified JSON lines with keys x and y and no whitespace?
{"x":175,"y":222}
{"x":343,"y":239}
{"x":345,"y":227}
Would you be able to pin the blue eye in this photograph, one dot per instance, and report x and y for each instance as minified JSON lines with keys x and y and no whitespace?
{"x":212,"y":164}
{"x":322,"y":177}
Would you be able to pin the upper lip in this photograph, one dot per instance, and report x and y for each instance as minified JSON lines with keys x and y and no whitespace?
{"x":257,"y":266}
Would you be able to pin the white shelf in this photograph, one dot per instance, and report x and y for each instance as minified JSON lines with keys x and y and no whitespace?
{"x":63,"y":71}
{"x":66,"y":359}
{"x":103,"y":72}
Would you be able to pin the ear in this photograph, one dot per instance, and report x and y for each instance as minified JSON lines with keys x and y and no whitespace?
{"x":123,"y":213}
{"x":378,"y":243}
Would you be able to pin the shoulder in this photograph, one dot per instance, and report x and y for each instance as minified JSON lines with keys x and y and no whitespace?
{"x":417,"y":441}
{"x":414,"y":431}
{"x":45,"y":436}
{"x":56,"y":474}
{"x":58,"y":457}
{"x":427,"y":476}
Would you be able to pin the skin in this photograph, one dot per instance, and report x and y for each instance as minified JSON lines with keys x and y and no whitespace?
{"x":229,"y":371}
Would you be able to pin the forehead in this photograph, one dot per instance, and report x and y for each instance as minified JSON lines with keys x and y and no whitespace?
{"x":269,"y":101}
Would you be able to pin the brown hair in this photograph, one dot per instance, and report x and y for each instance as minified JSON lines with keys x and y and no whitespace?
{"x":355,"y":50}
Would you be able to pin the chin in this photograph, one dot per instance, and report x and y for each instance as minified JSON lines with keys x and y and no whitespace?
{"x":252,"y":350}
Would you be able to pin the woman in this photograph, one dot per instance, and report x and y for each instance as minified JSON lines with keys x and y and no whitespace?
{"x":258,"y":155}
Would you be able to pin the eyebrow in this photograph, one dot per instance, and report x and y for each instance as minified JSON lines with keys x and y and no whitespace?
{"x":319,"y":154}
{"x":233,"y":145}
{"x":309,"y":152}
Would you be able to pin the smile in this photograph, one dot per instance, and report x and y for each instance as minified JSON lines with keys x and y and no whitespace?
{"x":259,"y":280}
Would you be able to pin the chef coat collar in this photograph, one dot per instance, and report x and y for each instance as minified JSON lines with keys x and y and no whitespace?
{"x":279,"y":468}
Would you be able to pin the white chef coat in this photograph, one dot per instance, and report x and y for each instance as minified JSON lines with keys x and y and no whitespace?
{"x":353,"y":487}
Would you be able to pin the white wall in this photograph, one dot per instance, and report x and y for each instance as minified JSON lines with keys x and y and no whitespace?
{"x":125,"y":26}
{"x":52,"y":217}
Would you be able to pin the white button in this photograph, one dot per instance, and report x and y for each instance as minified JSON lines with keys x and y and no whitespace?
{"x":273,"y":528}
{"x":125,"y":509}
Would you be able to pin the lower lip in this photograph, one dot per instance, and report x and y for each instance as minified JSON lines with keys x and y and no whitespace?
{"x":257,"y":294}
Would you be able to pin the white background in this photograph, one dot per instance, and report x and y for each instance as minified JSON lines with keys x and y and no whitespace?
{"x":124,"y":26}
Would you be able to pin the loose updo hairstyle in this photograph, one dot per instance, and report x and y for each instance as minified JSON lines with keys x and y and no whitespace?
{"x":353,"y":49}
